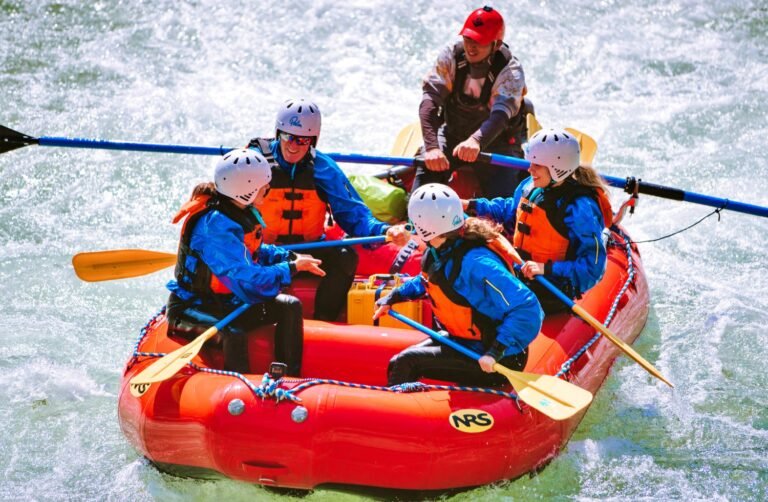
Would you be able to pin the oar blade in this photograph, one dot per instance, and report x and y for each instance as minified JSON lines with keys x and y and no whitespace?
{"x":97,"y":266}
{"x":552,"y":396}
{"x":533,"y":125}
{"x":170,"y":364}
{"x":587,"y":144}
{"x":11,"y":140}
{"x":120,"y":264}
{"x":408,"y":141}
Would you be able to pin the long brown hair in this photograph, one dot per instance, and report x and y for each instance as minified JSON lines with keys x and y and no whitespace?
{"x":204,"y":188}
{"x":476,"y":229}
{"x":588,"y":177}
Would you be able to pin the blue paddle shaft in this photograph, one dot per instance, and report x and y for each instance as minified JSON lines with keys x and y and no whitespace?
{"x":99,"y":144}
{"x":435,"y":335}
{"x":644,"y":187}
{"x":334,"y":243}
{"x":231,"y":317}
{"x":551,"y":287}
{"x":494,"y":159}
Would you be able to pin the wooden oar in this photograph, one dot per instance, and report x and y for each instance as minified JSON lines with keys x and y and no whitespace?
{"x":94,"y":266}
{"x":170,"y":364}
{"x":554,"y":397}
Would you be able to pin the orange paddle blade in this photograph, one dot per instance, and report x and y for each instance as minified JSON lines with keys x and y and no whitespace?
{"x":120,"y":263}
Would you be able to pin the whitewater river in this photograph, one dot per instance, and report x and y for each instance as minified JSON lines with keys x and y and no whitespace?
{"x":675,"y":92}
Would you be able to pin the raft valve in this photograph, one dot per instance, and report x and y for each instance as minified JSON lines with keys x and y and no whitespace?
{"x":236,"y":407}
{"x":299,"y":414}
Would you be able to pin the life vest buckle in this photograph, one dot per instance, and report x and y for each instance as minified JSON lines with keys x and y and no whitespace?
{"x":291,"y":215}
{"x":289,"y":239}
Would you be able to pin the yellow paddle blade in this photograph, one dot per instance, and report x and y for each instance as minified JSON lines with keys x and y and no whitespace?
{"x":533,"y":124}
{"x":120,"y":264}
{"x":587,"y":317}
{"x":554,"y":397}
{"x":587,"y":144}
{"x":170,"y":364}
{"x":578,"y":310}
{"x":408,"y":141}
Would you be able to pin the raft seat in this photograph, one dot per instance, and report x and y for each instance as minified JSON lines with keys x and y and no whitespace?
{"x":364,"y":350}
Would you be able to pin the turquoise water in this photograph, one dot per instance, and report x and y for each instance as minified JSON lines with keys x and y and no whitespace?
{"x":674,"y":92}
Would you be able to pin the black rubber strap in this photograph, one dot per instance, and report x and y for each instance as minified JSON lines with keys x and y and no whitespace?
{"x":653,"y":189}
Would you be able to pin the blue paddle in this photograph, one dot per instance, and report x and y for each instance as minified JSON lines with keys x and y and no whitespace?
{"x":11,"y":140}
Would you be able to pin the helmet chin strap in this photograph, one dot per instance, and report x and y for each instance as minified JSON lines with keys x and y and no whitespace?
{"x":257,"y":214}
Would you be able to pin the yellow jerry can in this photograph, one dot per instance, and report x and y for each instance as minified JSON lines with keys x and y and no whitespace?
{"x":362,"y":297}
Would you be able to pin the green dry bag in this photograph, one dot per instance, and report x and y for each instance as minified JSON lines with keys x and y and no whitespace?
{"x":387,"y":202}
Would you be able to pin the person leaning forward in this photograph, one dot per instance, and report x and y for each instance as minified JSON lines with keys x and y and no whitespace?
{"x":467,"y":275}
{"x":306,"y":183}
{"x":473,"y":100}
{"x":222,"y":264}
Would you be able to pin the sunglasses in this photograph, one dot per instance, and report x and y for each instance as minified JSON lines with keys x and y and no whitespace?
{"x":299,"y":140}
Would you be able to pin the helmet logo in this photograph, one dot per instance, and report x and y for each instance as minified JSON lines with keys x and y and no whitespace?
{"x":457,"y":219}
{"x":477,"y":22}
{"x":295,"y":121}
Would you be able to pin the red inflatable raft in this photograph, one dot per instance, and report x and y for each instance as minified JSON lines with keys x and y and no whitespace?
{"x":339,"y":425}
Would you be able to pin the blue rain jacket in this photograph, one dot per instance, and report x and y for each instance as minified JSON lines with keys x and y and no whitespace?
{"x":490,"y":288}
{"x":585,"y":233}
{"x":220,"y":243}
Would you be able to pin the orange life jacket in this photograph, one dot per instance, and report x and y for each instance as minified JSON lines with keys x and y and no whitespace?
{"x":293,"y":210}
{"x":453,"y":310}
{"x":201,"y":281}
{"x":540,"y":233}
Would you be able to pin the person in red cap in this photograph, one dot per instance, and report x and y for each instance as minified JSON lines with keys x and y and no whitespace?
{"x":474,"y":101}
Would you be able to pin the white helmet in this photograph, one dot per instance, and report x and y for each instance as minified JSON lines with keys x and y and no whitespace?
{"x":557,"y":150}
{"x":300,"y":117}
{"x":435,"y":209}
{"x":241,"y":173}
